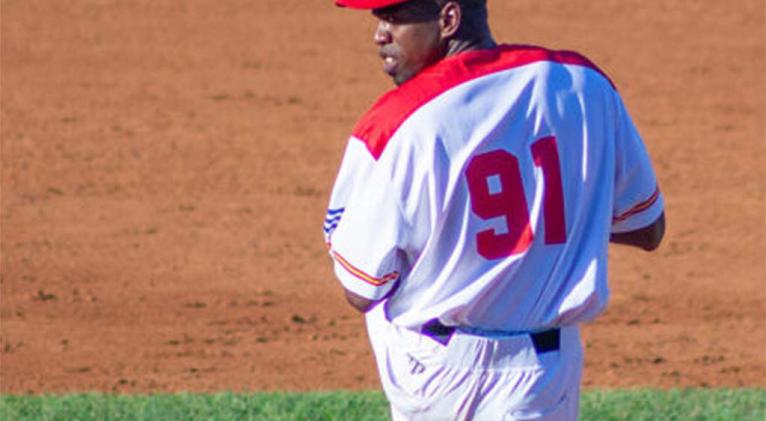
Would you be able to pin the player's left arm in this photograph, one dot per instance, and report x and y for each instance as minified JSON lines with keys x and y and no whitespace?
{"x":647,"y":238}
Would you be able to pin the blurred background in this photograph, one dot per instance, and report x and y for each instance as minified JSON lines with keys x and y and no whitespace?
{"x":166,"y":166}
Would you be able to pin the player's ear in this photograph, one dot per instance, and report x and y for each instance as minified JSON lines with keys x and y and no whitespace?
{"x":450,"y":18}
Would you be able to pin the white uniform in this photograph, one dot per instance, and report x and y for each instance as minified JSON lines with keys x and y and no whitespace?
{"x":480,"y":195}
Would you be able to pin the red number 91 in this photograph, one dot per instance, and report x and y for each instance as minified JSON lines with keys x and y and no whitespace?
{"x":505,"y":198}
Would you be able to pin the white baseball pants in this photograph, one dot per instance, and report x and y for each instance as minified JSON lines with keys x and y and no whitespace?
{"x":475,"y":377}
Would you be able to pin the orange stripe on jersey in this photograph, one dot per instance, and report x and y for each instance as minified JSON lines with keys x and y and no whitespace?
{"x":362,"y":275}
{"x":646,"y":204}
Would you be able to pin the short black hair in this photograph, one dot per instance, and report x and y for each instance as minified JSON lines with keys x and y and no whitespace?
{"x":471,"y":8}
{"x":468,"y":4}
{"x":474,"y":13}
{"x":475,"y":16}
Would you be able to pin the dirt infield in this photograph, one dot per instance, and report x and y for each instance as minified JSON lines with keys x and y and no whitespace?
{"x":166,"y":166}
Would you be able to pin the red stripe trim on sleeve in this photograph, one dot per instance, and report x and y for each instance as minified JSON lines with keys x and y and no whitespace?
{"x":377,"y":126}
{"x":358,"y":273}
{"x":646,"y":204}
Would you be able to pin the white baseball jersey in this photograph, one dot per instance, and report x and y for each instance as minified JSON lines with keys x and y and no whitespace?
{"x":483,"y":191}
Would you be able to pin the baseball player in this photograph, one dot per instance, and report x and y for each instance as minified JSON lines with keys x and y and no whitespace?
{"x":472,"y":211}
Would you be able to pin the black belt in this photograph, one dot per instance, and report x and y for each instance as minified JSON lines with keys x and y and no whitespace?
{"x":545,"y":341}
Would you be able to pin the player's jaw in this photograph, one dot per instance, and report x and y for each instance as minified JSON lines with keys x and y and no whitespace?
{"x":406,"y":56}
{"x":391,"y":65}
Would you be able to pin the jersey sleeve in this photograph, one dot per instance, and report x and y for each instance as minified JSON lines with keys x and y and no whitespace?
{"x":352,"y":168}
{"x":363,"y":226}
{"x":638,"y":201}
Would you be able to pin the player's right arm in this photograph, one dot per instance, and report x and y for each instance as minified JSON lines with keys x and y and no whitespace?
{"x":638,"y":213}
{"x":647,"y":238}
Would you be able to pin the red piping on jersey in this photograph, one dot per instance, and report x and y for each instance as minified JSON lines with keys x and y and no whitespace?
{"x":646,"y":204}
{"x":377,"y":126}
{"x":358,"y":273}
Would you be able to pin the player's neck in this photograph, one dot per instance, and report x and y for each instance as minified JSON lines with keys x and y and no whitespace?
{"x":457,"y":46}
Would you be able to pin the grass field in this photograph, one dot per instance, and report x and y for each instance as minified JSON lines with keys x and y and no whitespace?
{"x":688,"y":404}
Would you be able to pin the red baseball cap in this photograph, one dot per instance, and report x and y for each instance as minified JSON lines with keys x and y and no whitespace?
{"x":367,"y":4}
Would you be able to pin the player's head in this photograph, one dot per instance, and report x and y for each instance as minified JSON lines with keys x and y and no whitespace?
{"x":413,"y":34}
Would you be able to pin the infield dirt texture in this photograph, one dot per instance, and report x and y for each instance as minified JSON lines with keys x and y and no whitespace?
{"x":166,"y":166}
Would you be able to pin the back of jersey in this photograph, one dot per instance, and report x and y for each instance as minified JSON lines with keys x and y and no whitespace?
{"x":508,"y":181}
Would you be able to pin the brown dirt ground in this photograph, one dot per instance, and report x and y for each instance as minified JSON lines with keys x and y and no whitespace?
{"x":165,"y":168}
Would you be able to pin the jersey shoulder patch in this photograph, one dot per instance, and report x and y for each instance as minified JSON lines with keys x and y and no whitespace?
{"x":382,"y":120}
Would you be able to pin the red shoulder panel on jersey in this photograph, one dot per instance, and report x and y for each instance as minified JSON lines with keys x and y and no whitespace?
{"x":377,"y":126}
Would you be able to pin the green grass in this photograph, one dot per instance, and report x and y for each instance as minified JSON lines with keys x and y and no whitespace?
{"x":688,"y":404}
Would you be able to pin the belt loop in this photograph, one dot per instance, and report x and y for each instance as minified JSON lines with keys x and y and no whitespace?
{"x":546,"y":341}
{"x":437,"y":331}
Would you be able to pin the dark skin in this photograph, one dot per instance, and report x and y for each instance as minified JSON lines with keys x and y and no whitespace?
{"x":648,"y":238}
{"x":414,"y":35}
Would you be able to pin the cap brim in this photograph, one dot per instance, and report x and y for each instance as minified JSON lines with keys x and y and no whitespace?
{"x":367,"y":4}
